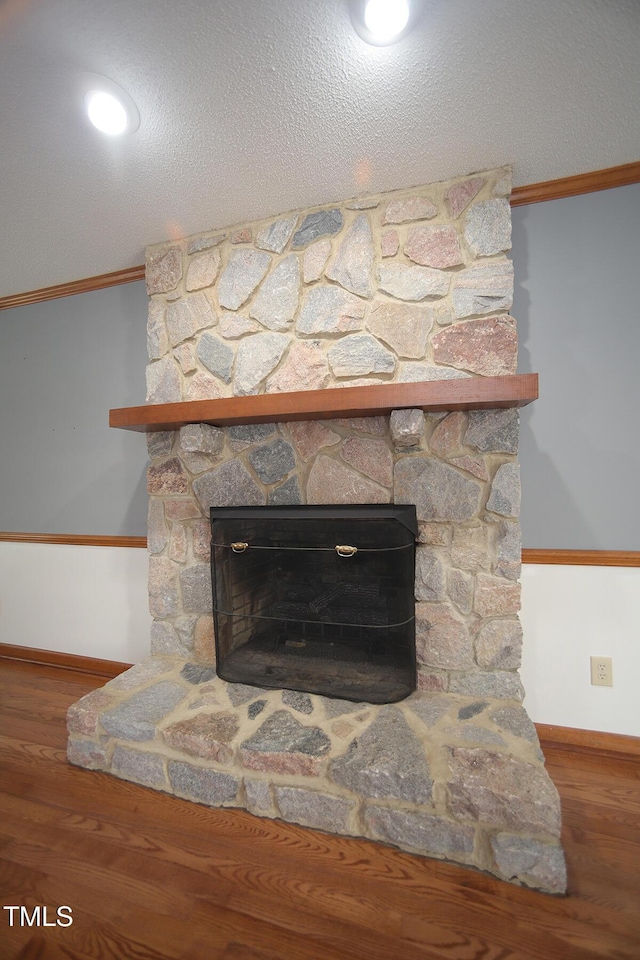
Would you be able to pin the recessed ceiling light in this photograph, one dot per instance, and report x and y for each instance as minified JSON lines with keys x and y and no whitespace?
{"x":382,"y":22}
{"x":386,"y":19}
{"x":106,"y":112}
{"x":109,"y":108}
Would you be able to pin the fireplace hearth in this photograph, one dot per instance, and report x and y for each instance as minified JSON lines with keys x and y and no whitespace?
{"x":316,"y":598}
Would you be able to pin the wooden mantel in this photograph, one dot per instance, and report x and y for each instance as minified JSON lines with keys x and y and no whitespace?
{"x":469,"y":393}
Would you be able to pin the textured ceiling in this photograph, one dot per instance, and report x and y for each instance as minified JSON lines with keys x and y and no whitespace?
{"x":256,"y":107}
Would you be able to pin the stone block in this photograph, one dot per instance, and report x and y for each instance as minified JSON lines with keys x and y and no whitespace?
{"x":495,"y":596}
{"x":353,"y":263}
{"x":137,"y":717}
{"x":430,"y":709}
{"x":487,"y":346}
{"x":482,"y":288}
{"x":446,"y":439}
{"x":242,"y":235}
{"x":501,"y":684}
{"x":460,"y":194}
{"x":182,"y":509}
{"x":157,"y":533}
{"x":315,"y":259}
{"x":390,"y":243}
{"x":203,"y":386}
{"x":476,"y":466}
{"x":216,"y":355}
{"x":332,"y":482}
{"x":460,"y":589}
{"x":442,"y":638}
{"x":83,"y":716}
{"x":423,"y":832}
{"x":241,"y":276}
{"x":185,"y":317}
{"x":202,"y":270}
{"x":434,"y":246}
{"x":287,"y":493}
{"x":164,"y":384}
{"x":505,"y":491}
{"x":205,"y":242}
{"x":273,"y":461}
{"x":516,"y":721}
{"x":321,"y":223}
{"x":256,"y":358}
{"x":229,"y":485}
{"x":276,"y":235}
{"x":387,"y":761}
{"x":163,"y":589}
{"x":258,"y":798}
{"x":495,"y":787}
{"x":304,"y":368}
{"x":407,"y":428}
{"x":186,"y":358}
{"x":139,"y":766}
{"x":157,"y":339}
{"x":413,"y":283}
{"x":276,"y":302}
{"x":244,"y":435}
{"x":403,"y":326}
{"x":419,"y":372}
{"x":165,"y":640}
{"x":204,"y":640}
{"x":439,"y":491}
{"x":283,"y":745}
{"x":195,"y":583}
{"x":535,"y":863}
{"x":430,"y":575}
{"x":329,"y":310}
{"x":371,"y":457}
{"x":487,"y":227}
{"x":201,"y":438}
{"x":499,"y":644}
{"x":167,"y":477}
{"x":197,"y":673}
{"x":233,"y":326}
{"x":311,"y":436}
{"x":206,"y":736}
{"x":163,"y":269}
{"x":435,"y":534}
{"x":159,"y":443}
{"x":300,"y":702}
{"x":509,"y":556}
{"x":87,"y":753}
{"x":312,"y":809}
{"x":206,"y":786}
{"x":470,"y":547}
{"x":409,"y":208}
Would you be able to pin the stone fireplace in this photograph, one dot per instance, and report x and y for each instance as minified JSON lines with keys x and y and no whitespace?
{"x":407,"y":287}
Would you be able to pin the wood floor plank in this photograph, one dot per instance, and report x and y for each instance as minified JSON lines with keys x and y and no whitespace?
{"x":156,"y":877}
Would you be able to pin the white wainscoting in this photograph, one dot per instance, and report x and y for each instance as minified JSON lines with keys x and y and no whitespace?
{"x":92,"y":601}
{"x":569,"y":614}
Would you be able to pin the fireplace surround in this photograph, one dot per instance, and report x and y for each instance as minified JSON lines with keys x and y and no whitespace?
{"x":407,"y":287}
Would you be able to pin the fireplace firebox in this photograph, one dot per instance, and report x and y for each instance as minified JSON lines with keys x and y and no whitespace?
{"x":316,"y":598}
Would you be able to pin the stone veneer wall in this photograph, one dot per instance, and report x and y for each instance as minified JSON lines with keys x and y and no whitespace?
{"x":408,"y":286}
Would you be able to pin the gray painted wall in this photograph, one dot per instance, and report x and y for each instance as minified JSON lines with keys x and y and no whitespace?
{"x":63,"y":365}
{"x":577,"y":270}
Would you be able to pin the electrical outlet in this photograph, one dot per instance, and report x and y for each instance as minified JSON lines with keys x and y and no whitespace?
{"x":602,"y":671}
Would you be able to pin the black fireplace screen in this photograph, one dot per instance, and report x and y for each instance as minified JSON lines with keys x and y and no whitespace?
{"x":316,"y":598}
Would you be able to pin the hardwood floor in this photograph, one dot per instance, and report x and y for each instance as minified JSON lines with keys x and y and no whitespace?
{"x":150,"y":876}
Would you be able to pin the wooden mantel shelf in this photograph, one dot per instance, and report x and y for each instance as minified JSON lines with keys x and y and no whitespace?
{"x":470,"y":393}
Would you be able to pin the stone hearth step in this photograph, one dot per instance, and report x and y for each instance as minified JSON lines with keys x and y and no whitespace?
{"x":438,"y":774}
